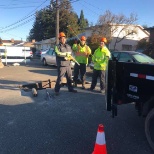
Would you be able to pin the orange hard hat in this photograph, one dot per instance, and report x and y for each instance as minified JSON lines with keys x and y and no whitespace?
{"x":62,"y":34}
{"x":103,"y":39}
{"x":83,"y":38}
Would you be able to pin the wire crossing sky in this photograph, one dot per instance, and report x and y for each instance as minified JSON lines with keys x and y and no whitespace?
{"x":17,"y":17}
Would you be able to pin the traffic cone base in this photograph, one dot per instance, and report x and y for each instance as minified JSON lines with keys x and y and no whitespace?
{"x":100,"y":145}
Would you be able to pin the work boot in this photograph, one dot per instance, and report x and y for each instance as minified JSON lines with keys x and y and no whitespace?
{"x":102,"y":91}
{"x":75,"y":84}
{"x":73,"y":91}
{"x":83,"y":85}
{"x":90,"y":89}
{"x":56,"y":93}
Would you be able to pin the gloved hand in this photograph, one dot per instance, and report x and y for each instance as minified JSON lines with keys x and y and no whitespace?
{"x":68,"y":57}
{"x":97,"y":60}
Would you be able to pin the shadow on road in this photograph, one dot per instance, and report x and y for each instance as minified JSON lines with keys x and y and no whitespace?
{"x":59,"y":125}
{"x":67,"y":124}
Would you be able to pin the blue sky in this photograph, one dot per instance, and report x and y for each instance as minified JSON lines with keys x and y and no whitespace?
{"x":14,"y":11}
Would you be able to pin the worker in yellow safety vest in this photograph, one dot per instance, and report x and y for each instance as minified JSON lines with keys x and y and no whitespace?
{"x":81,"y":52}
{"x":100,"y":60}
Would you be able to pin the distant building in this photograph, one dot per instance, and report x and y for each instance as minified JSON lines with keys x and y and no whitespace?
{"x":45,"y":44}
{"x":129,"y":42}
{"x":13,"y":42}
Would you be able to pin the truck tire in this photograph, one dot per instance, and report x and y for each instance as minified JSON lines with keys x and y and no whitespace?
{"x":149,"y":128}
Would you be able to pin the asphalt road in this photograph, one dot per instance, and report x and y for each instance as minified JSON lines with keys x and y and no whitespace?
{"x":64,"y":124}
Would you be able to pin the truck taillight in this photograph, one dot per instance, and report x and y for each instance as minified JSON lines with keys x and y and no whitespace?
{"x":31,"y":52}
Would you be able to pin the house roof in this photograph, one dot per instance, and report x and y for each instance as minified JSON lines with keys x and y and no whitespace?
{"x":18,"y":43}
{"x":140,"y":27}
{"x":11,"y":41}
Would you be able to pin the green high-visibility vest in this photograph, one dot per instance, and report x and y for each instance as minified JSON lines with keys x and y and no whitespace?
{"x":80,"y":51}
{"x":100,"y":58}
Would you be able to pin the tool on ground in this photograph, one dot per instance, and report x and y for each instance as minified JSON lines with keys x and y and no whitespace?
{"x":100,"y":145}
{"x":34,"y":92}
{"x":38,"y":85}
{"x":49,"y":96}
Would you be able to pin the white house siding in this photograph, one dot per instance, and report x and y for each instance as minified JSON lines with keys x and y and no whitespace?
{"x":45,"y":44}
{"x":131,"y":40}
{"x":119,"y":45}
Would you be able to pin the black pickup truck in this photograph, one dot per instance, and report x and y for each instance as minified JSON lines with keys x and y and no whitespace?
{"x":132,"y":83}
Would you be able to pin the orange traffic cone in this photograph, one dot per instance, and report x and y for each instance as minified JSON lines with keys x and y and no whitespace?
{"x":100,"y":145}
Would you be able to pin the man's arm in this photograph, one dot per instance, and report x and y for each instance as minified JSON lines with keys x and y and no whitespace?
{"x":75,"y":47}
{"x":60,"y":54}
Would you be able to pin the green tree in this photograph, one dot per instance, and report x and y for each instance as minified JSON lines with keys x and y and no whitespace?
{"x":68,"y":19}
{"x":44,"y":26}
{"x":83,"y":23}
{"x":108,"y":26}
{"x":1,"y":41}
{"x":142,"y":44}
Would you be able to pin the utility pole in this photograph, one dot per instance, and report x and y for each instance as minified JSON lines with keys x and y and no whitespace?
{"x":57,"y":22}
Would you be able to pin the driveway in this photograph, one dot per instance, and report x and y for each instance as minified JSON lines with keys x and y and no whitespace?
{"x":64,"y":124}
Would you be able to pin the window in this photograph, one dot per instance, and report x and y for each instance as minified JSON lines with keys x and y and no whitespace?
{"x":2,"y":50}
{"x":143,"y":58}
{"x":126,"y":47}
{"x":115,"y":54}
{"x":125,"y":57}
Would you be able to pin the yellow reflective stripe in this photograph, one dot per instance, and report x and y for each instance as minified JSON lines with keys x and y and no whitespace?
{"x":61,"y":54}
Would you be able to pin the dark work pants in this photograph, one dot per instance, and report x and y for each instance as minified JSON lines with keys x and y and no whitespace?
{"x":62,"y":71}
{"x":80,"y":69}
{"x":101,"y":75}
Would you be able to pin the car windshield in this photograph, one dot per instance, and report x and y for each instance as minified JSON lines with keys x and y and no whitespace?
{"x":143,"y":58}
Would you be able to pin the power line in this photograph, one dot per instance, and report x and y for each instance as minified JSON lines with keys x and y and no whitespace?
{"x":89,"y":9}
{"x":18,"y":25}
{"x":2,"y":30}
{"x":16,"y":4}
{"x":27,"y":16}
{"x":20,"y":7}
{"x":92,"y":5}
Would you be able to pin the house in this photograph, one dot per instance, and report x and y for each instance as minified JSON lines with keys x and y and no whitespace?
{"x":10,"y":42}
{"x":121,"y":37}
{"x":13,"y":42}
{"x":151,"y":37}
{"x":45,"y":44}
{"x":128,"y":34}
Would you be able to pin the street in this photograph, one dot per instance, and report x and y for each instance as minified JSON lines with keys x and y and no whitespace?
{"x":64,"y":124}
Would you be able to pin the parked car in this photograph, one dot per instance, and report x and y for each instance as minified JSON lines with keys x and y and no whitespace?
{"x":44,"y":51}
{"x":49,"y":58}
{"x":129,"y":56}
{"x":15,"y":52}
{"x":139,"y":50}
{"x":38,"y":53}
{"x":132,"y":56}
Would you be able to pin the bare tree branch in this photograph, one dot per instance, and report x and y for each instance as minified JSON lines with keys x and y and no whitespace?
{"x":109,"y":23}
